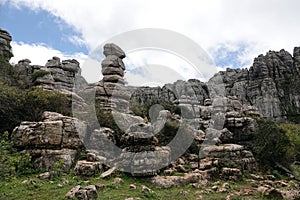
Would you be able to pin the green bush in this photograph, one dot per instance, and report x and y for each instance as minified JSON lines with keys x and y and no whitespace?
{"x":10,"y":75}
{"x":18,"y":105}
{"x":39,"y":73}
{"x":106,"y":119}
{"x":12,"y":162}
{"x":143,"y":109}
{"x":292,"y":131}
{"x":271,"y":146}
{"x":37,"y":100}
{"x":168,"y":132}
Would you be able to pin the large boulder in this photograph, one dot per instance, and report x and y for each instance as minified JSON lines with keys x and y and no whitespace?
{"x":55,"y":138}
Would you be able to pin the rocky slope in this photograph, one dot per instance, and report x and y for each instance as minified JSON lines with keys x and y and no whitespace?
{"x":271,"y":84}
{"x":220,"y":126}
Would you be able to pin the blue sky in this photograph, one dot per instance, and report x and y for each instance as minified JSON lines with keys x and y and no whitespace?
{"x":39,"y":27}
{"x":231,"y":33}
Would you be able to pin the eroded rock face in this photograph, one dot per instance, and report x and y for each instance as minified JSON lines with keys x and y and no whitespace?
{"x":55,"y":138}
{"x":55,"y":75}
{"x":111,"y":92}
{"x":193,"y":88}
{"x":270,"y":84}
{"x":5,"y":48}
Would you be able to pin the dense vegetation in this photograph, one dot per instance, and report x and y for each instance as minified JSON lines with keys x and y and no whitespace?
{"x":18,"y":105}
{"x":276,"y":146}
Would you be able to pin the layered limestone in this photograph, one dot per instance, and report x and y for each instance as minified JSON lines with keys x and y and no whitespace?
{"x":5,"y":48}
{"x":271,"y":83}
{"x":56,"y":138}
{"x":111,"y":93}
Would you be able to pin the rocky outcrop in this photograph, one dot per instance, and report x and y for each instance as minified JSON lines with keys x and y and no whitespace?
{"x":54,"y":139}
{"x":111,"y":94}
{"x":271,"y":83}
{"x":193,"y":88}
{"x":5,"y":48}
{"x":55,"y":75}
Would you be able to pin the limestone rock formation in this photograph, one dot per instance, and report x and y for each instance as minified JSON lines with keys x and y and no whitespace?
{"x":271,"y":84}
{"x":5,"y":48}
{"x":54,"y":139}
{"x":228,"y":160}
{"x":111,"y":92}
{"x":193,"y":88}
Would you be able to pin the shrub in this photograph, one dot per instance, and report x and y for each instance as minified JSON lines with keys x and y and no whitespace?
{"x":271,"y":145}
{"x":12,"y":162}
{"x":292,"y":131}
{"x":18,"y":105}
{"x":168,"y":132}
{"x":106,"y":119}
{"x":143,"y":109}
{"x":37,"y":100}
{"x":11,"y":101}
{"x":39,"y":73}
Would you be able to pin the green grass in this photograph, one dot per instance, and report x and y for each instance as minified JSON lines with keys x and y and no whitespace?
{"x":56,"y":189}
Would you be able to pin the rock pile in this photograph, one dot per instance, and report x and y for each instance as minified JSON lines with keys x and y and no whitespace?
{"x":217,"y":125}
{"x":52,"y":140}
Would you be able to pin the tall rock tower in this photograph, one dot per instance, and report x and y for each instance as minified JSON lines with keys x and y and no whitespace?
{"x":111,"y":92}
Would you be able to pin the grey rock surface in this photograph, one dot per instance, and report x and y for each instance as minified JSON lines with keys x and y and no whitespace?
{"x":55,"y":138}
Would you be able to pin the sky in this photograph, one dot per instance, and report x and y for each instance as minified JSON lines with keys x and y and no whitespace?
{"x":231,"y":32}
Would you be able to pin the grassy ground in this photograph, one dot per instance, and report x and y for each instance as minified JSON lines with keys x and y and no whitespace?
{"x":30,"y":188}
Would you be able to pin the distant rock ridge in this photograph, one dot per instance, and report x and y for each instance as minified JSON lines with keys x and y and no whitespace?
{"x":271,"y":84}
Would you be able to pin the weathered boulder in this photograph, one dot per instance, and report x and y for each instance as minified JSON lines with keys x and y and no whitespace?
{"x":227,"y":156}
{"x":86,"y":168}
{"x":55,"y":138}
{"x":112,"y":49}
{"x":175,"y":181}
{"x":48,"y":158}
{"x":145,"y":163}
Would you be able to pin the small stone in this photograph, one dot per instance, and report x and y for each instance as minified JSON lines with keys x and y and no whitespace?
{"x":72,"y":192}
{"x":183,"y":192}
{"x":132,"y":186}
{"x":145,"y":189}
{"x":45,"y":175}
{"x":118,"y":180}
{"x":65,"y":181}
{"x":108,"y":172}
{"x":271,"y":177}
{"x":215,"y":188}
{"x":91,"y":192}
{"x":199,"y":197}
{"x":180,"y":168}
{"x":226,"y":186}
{"x":100,"y":186}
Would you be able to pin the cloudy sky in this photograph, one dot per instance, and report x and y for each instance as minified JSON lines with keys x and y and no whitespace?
{"x":231,"y":32}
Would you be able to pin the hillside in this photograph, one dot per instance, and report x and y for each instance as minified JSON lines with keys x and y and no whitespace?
{"x":235,"y":137}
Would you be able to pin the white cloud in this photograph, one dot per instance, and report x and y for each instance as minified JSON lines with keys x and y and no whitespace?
{"x":38,"y":54}
{"x":259,"y":25}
